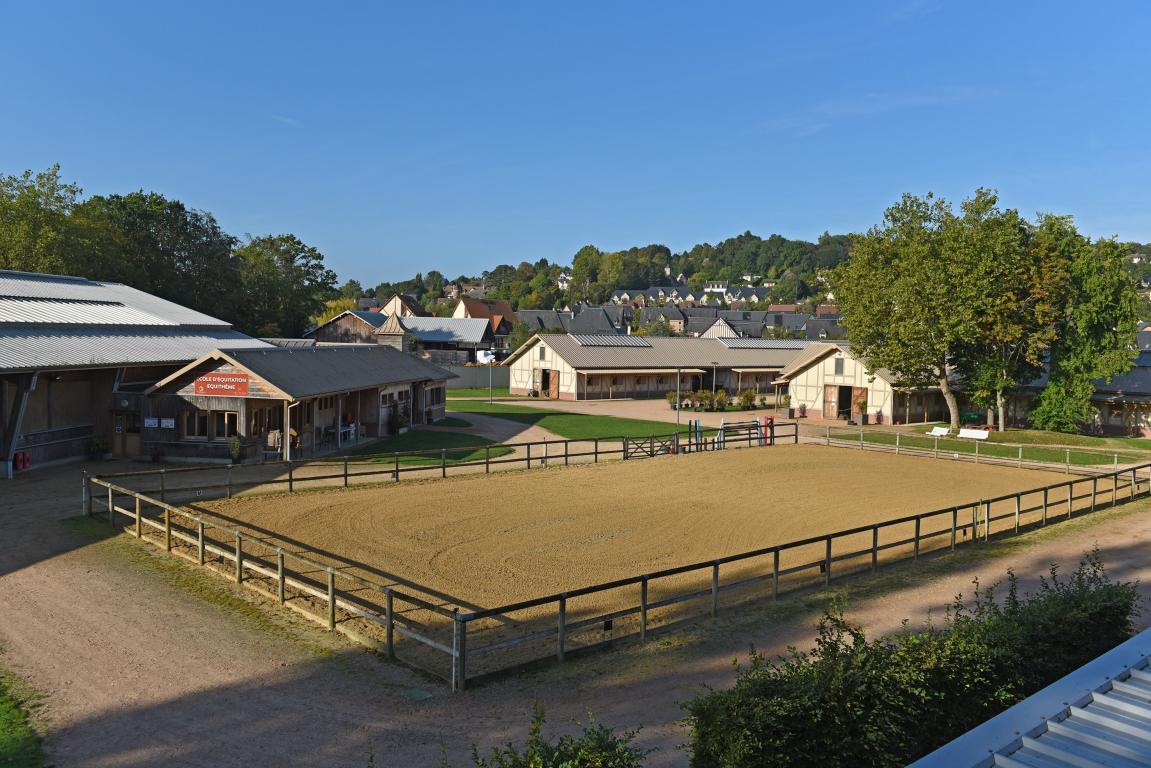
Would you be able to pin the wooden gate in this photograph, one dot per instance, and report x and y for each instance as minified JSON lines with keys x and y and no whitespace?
{"x":858,"y":395}
{"x":554,"y":385}
{"x":645,"y":448}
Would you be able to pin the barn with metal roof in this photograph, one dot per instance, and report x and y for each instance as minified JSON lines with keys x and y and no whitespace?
{"x":76,"y":356}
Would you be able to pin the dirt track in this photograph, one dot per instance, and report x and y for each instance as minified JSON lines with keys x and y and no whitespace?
{"x":495,"y":540}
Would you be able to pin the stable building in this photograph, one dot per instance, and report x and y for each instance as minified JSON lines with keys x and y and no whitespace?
{"x":603,"y":367}
{"x":76,"y":356}
{"x":831,"y":383}
{"x":289,"y":402}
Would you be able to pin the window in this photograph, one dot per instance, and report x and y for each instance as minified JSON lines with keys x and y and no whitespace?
{"x":839,"y":366}
{"x":223,"y":424}
{"x":210,"y":425}
{"x":436,"y":396}
{"x":196,"y":424}
{"x":543,"y":352}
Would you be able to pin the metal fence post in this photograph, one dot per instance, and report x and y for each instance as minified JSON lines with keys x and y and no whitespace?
{"x":976,"y":451}
{"x":239,"y":557}
{"x":935,"y":455}
{"x":566,"y":451}
{"x":861,"y":439}
{"x":775,"y":574}
{"x":280,"y":574}
{"x":623,"y":446}
{"x":643,"y":608}
{"x":110,"y":505}
{"x":975,"y":522}
{"x":561,"y":627}
{"x":459,"y":652}
{"x":85,"y":493}
{"x":331,"y":598}
{"x":1133,"y":484}
{"x":714,"y":589}
{"x":827,"y":437}
{"x":1114,"y":487}
{"x":389,"y":624}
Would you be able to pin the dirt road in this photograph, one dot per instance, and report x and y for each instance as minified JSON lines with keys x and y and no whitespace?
{"x":144,"y":663}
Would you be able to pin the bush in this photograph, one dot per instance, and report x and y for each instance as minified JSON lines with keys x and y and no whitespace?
{"x":859,"y":702}
{"x":671,"y":399}
{"x":597,"y":746}
{"x":747,"y":398}
{"x":703,"y":399}
{"x":721,"y":400}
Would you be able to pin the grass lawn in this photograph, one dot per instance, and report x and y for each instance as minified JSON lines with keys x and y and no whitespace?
{"x":459,"y":446}
{"x":1131,"y":445}
{"x":478,"y":392}
{"x":1035,"y":451}
{"x":574,"y":426}
{"x":19,"y":743}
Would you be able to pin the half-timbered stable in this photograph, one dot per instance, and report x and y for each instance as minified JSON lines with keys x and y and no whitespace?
{"x":289,"y":402}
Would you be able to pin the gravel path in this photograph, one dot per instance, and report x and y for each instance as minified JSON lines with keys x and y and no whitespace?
{"x":140,"y":671}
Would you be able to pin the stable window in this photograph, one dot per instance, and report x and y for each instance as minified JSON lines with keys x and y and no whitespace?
{"x":839,"y":366}
{"x":543,"y":353}
{"x":223,"y":424}
{"x":196,"y":425}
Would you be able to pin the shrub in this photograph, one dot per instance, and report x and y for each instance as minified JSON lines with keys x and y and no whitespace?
{"x":721,"y":400}
{"x":859,"y":702}
{"x":671,"y":399}
{"x":747,"y":398}
{"x":703,"y":399}
{"x":235,"y":449}
{"x":785,"y":401}
{"x":597,"y":746}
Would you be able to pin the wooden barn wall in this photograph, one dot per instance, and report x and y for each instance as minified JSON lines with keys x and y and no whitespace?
{"x":346,"y":330}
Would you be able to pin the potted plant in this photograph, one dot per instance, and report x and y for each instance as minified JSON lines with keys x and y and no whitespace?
{"x":785,"y":404}
{"x":802,"y":410}
{"x":861,"y":407}
{"x":403,"y":419}
{"x":721,"y":400}
{"x":672,"y":398}
{"x":235,"y":449}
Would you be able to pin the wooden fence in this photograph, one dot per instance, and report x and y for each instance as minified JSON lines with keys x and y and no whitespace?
{"x":448,"y":637}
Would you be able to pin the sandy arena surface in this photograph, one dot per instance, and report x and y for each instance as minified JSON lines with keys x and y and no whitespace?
{"x":495,"y":540}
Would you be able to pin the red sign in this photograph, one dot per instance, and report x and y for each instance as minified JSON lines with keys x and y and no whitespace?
{"x":226,"y":384}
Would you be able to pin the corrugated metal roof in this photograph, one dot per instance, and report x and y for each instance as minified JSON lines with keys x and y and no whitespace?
{"x":664,"y":352}
{"x":77,"y":289}
{"x":312,"y":371}
{"x":462,"y":330}
{"x":57,"y":312}
{"x":610,"y":341}
{"x":1098,"y":715}
{"x":24,"y":349}
{"x":743,"y":343}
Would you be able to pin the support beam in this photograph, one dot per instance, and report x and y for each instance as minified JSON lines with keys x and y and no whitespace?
{"x":25,"y":384}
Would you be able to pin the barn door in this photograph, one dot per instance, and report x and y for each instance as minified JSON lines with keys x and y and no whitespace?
{"x":554,"y":385}
{"x":858,"y":395}
{"x":830,"y":406}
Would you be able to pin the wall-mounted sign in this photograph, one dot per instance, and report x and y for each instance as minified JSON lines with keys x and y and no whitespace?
{"x":151,"y":422}
{"x":226,"y":384}
{"x":167,"y":423}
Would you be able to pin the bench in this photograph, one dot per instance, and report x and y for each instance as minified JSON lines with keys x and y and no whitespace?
{"x":939,"y":432}
{"x":974,"y":434}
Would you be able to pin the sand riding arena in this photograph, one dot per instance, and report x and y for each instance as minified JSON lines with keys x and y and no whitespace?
{"x":479,"y":573}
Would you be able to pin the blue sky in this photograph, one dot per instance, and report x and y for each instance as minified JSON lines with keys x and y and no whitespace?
{"x":399,"y":138}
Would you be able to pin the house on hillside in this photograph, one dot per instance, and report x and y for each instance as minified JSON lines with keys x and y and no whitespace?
{"x":496,"y":311}
{"x":831,"y":383}
{"x":442,"y":340}
{"x":352,"y":326}
{"x":405,"y":306}
{"x":76,"y":356}
{"x":587,"y":367}
{"x":719,"y":329}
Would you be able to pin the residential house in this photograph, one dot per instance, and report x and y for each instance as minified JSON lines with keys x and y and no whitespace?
{"x":496,"y":311}
{"x":442,"y":340}
{"x":405,"y":306}
{"x":352,"y":326}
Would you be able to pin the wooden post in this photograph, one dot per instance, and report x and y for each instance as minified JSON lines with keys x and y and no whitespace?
{"x":138,"y":530}
{"x":1133,"y":484}
{"x":1070,"y":498}
{"x":530,"y":456}
{"x":167,"y":529}
{"x":229,"y":475}
{"x":874,"y":548}
{"x":331,"y":598}
{"x":88,"y":494}
{"x":954,"y":525}
{"x":280,"y":574}
{"x":291,"y":484}
{"x":567,"y":443}
{"x":936,"y":453}
{"x":595,"y":449}
{"x":1094,"y":487}
{"x":443,"y":462}
{"x":643,"y":608}
{"x":561,"y":628}
{"x":163,"y":486}
{"x":1067,"y":461}
{"x":974,"y":523}
{"x":976,"y":451}
{"x":459,"y":652}
{"x":1017,"y":505}
{"x":827,"y":560}
{"x":1020,"y":457}
{"x":396,"y":467}
{"x":487,"y":459}
{"x":239,"y":557}
{"x":345,"y":471}
{"x":1114,"y":487}
{"x":623,"y":445}
{"x":200,"y":540}
{"x":1044,"y":506}
{"x":896,"y":443}
{"x":986,"y":520}
{"x":389,"y":624}
{"x":111,"y":505}
{"x":775,"y":574}
{"x":826,"y":437}
{"x":861,"y":439}
{"x":917,"y":529}
{"x":714,"y":589}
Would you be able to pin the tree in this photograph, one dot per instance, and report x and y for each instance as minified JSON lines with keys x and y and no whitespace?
{"x":351,"y":290}
{"x":658,"y":327}
{"x":1095,"y":329}
{"x":906,"y":299}
{"x":332,"y":308}
{"x":37,"y":232}
{"x":285,"y":284}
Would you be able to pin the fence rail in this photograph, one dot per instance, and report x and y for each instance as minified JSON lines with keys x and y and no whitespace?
{"x":430,"y":630}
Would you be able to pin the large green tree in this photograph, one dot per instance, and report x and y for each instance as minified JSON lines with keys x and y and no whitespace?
{"x":906,"y":295}
{"x":37,"y":230}
{"x":284,"y":283}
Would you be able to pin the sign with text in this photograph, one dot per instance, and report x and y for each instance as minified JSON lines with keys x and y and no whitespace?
{"x":224,"y":384}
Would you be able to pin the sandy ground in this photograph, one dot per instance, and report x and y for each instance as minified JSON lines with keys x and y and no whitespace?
{"x":495,"y":540}
{"x":138,"y":672}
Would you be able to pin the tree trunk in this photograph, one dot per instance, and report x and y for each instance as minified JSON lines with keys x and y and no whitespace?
{"x":991,"y":417}
{"x":950,"y":399}
{"x":1001,"y":403}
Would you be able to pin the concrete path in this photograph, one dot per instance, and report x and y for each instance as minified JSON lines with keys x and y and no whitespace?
{"x":144,"y":662}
